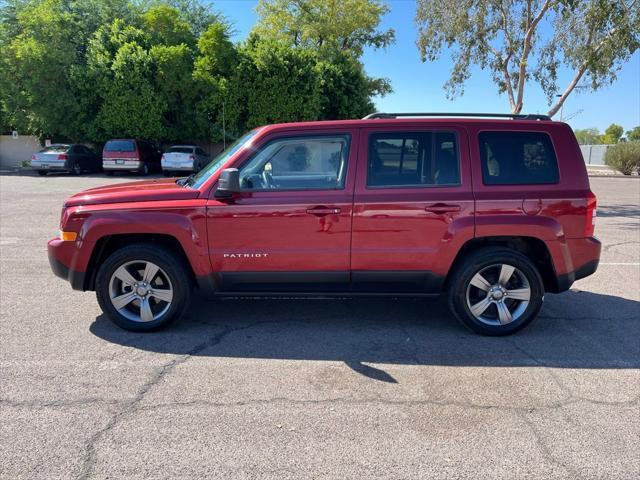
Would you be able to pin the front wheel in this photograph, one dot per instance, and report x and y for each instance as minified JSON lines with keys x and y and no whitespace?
{"x":143,"y":287}
{"x":496,"y":291}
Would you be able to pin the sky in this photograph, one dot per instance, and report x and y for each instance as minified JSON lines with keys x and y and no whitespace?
{"x":419,"y":86}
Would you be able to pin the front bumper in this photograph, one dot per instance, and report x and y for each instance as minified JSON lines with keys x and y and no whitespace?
{"x":58,"y":250}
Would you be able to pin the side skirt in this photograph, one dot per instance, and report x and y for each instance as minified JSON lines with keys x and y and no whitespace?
{"x":322,"y":284}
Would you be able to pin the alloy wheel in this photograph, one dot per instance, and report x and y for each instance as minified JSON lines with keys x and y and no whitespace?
{"x":498,"y":294}
{"x":141,"y":291}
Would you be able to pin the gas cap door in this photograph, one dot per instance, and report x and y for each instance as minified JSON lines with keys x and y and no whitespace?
{"x":531,"y":206}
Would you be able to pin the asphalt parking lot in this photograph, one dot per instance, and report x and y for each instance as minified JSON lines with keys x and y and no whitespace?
{"x":369,"y":388}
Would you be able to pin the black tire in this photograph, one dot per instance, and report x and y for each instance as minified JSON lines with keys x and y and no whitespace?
{"x":76,"y":169}
{"x":484,"y":260}
{"x":169,"y":264}
{"x":144,"y":169}
{"x":42,"y":172}
{"x":109,"y":173}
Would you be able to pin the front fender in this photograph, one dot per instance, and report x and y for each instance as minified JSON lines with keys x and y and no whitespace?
{"x":183,"y":220}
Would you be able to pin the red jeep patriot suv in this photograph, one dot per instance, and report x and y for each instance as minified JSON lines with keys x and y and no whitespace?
{"x":492,"y":211}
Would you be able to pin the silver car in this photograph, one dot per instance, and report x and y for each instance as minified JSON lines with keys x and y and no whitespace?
{"x":65,"y":158}
{"x":184,"y":158}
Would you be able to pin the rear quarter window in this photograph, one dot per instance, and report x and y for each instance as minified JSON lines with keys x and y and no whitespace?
{"x":517,"y":158}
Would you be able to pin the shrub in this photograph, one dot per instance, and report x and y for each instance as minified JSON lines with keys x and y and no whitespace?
{"x":624,"y":157}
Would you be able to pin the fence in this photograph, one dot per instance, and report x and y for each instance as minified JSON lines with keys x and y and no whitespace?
{"x":594,"y":154}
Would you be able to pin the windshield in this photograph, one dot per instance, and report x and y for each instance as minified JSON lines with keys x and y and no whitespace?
{"x":180,"y":150}
{"x":120,"y":146}
{"x":199,"y":178}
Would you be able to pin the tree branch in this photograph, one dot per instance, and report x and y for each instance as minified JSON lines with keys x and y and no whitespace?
{"x":504,"y":64}
{"x":581,"y":71}
{"x":526,"y":49}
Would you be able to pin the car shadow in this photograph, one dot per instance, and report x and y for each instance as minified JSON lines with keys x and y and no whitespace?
{"x":574,"y":330}
{"x":621,"y":210}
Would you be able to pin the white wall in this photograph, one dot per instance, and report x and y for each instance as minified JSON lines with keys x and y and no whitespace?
{"x":13,"y":151}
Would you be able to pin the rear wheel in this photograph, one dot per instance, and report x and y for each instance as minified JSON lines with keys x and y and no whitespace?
{"x":144,"y":170}
{"x":143,"y":287}
{"x":496,"y":291}
{"x":75,"y":169}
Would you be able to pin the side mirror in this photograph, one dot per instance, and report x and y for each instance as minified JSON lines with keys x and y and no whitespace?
{"x":228,"y":183}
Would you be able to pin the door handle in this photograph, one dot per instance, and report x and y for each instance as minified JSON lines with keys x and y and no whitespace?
{"x":321,"y":211}
{"x":442,"y":208}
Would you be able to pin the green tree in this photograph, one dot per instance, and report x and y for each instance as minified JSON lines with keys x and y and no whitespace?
{"x":588,"y":136}
{"x":345,"y":25}
{"x":344,"y":88}
{"x":215,"y":63}
{"x":633,"y":135}
{"x":273,"y":82}
{"x":612,"y":134}
{"x":591,"y":38}
{"x":34,"y":76}
{"x":42,"y":50}
{"x":278,"y":82}
{"x":198,"y":14}
{"x":165,"y":25}
{"x":145,"y":78}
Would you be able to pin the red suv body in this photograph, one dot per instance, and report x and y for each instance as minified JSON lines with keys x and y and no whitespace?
{"x":493,"y":212}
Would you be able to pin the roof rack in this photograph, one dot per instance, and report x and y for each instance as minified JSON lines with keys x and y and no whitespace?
{"x":518,"y":116}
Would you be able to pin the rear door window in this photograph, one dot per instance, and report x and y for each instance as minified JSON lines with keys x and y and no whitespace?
{"x":517,"y":158}
{"x":413,"y":159}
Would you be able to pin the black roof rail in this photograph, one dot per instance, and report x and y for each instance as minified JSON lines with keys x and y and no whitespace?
{"x":518,"y":116}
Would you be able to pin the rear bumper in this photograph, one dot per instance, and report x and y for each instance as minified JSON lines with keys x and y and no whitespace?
{"x":57,"y":249}
{"x":128,"y":165}
{"x":184,"y":167}
{"x":49,"y":166}
{"x":585,"y":257}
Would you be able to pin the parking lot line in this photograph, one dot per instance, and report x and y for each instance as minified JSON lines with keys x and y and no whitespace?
{"x":620,"y":263}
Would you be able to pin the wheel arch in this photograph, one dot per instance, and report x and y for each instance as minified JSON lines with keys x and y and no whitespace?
{"x":108,"y":244}
{"x":533,"y":248}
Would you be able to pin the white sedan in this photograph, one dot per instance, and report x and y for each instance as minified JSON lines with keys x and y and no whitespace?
{"x":184,"y":158}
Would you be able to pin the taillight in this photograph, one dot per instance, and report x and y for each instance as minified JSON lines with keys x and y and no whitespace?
{"x":192,"y":158}
{"x":163,"y":157}
{"x":33,"y":157}
{"x":63,"y":156}
{"x":590,"y":220}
